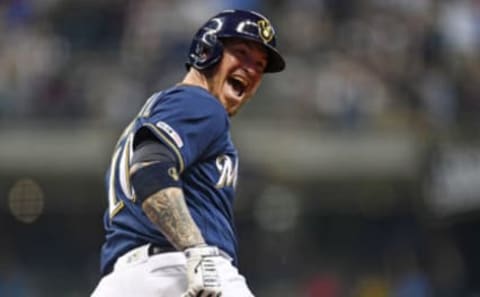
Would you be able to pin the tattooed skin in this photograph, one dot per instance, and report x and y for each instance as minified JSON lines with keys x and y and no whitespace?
{"x":168,"y":211}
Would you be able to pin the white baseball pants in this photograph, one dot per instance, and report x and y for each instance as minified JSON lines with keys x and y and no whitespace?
{"x":162,"y":275}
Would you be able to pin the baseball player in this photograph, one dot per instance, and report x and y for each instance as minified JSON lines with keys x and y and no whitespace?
{"x":171,"y":183}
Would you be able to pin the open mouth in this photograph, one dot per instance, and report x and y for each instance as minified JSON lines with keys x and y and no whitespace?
{"x":238,"y":85}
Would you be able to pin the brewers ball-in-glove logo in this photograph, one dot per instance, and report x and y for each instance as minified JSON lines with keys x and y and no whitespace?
{"x":265,"y":30}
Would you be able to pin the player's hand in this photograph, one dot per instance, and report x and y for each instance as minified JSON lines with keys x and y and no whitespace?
{"x":203,"y":278}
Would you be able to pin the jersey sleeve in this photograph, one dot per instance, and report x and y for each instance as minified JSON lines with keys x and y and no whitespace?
{"x":188,"y":125}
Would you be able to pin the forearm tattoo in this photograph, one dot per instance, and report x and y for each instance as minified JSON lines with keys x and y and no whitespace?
{"x":168,"y":211}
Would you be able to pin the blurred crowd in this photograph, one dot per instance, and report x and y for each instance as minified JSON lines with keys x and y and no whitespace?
{"x":351,"y":64}
{"x":365,"y":61}
{"x":372,"y":64}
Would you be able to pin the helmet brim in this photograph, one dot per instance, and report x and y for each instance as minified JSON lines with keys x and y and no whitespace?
{"x":275,"y":63}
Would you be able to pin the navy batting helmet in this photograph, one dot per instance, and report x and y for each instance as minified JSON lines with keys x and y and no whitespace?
{"x":207,"y":49}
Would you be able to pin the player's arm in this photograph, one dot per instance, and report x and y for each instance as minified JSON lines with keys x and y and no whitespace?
{"x":158,"y":187}
{"x":168,"y":211}
{"x":157,"y":184}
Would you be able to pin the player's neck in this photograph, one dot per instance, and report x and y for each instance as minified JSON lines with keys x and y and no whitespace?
{"x":195,"y":78}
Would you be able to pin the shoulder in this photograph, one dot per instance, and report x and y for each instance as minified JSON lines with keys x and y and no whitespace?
{"x":199,"y":99}
{"x":191,"y":102}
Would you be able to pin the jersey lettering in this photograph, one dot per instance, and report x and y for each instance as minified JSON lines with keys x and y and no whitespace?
{"x":120,"y":163}
{"x":114,"y":204}
{"x":228,"y":172}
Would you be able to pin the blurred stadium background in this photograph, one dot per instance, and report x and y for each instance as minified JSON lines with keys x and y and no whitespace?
{"x":361,"y":162}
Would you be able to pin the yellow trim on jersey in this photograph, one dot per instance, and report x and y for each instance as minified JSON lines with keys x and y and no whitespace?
{"x":167,"y":141}
{"x":117,"y":209}
{"x":113,"y":201}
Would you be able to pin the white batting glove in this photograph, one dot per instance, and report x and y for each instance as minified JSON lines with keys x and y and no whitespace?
{"x":203,"y":278}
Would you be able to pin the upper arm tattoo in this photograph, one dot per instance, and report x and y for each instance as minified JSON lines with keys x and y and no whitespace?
{"x":169,"y":212}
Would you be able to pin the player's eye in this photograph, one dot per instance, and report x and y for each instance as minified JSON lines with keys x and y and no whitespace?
{"x":241,"y":51}
{"x":261,"y":65}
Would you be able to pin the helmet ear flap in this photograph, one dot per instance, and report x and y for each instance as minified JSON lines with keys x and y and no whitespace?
{"x":206,"y":50}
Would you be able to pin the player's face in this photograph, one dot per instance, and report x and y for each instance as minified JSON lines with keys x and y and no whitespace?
{"x":239,"y":73}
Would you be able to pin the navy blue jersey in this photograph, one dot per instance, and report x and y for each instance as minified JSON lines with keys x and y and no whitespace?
{"x":195,"y":126}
